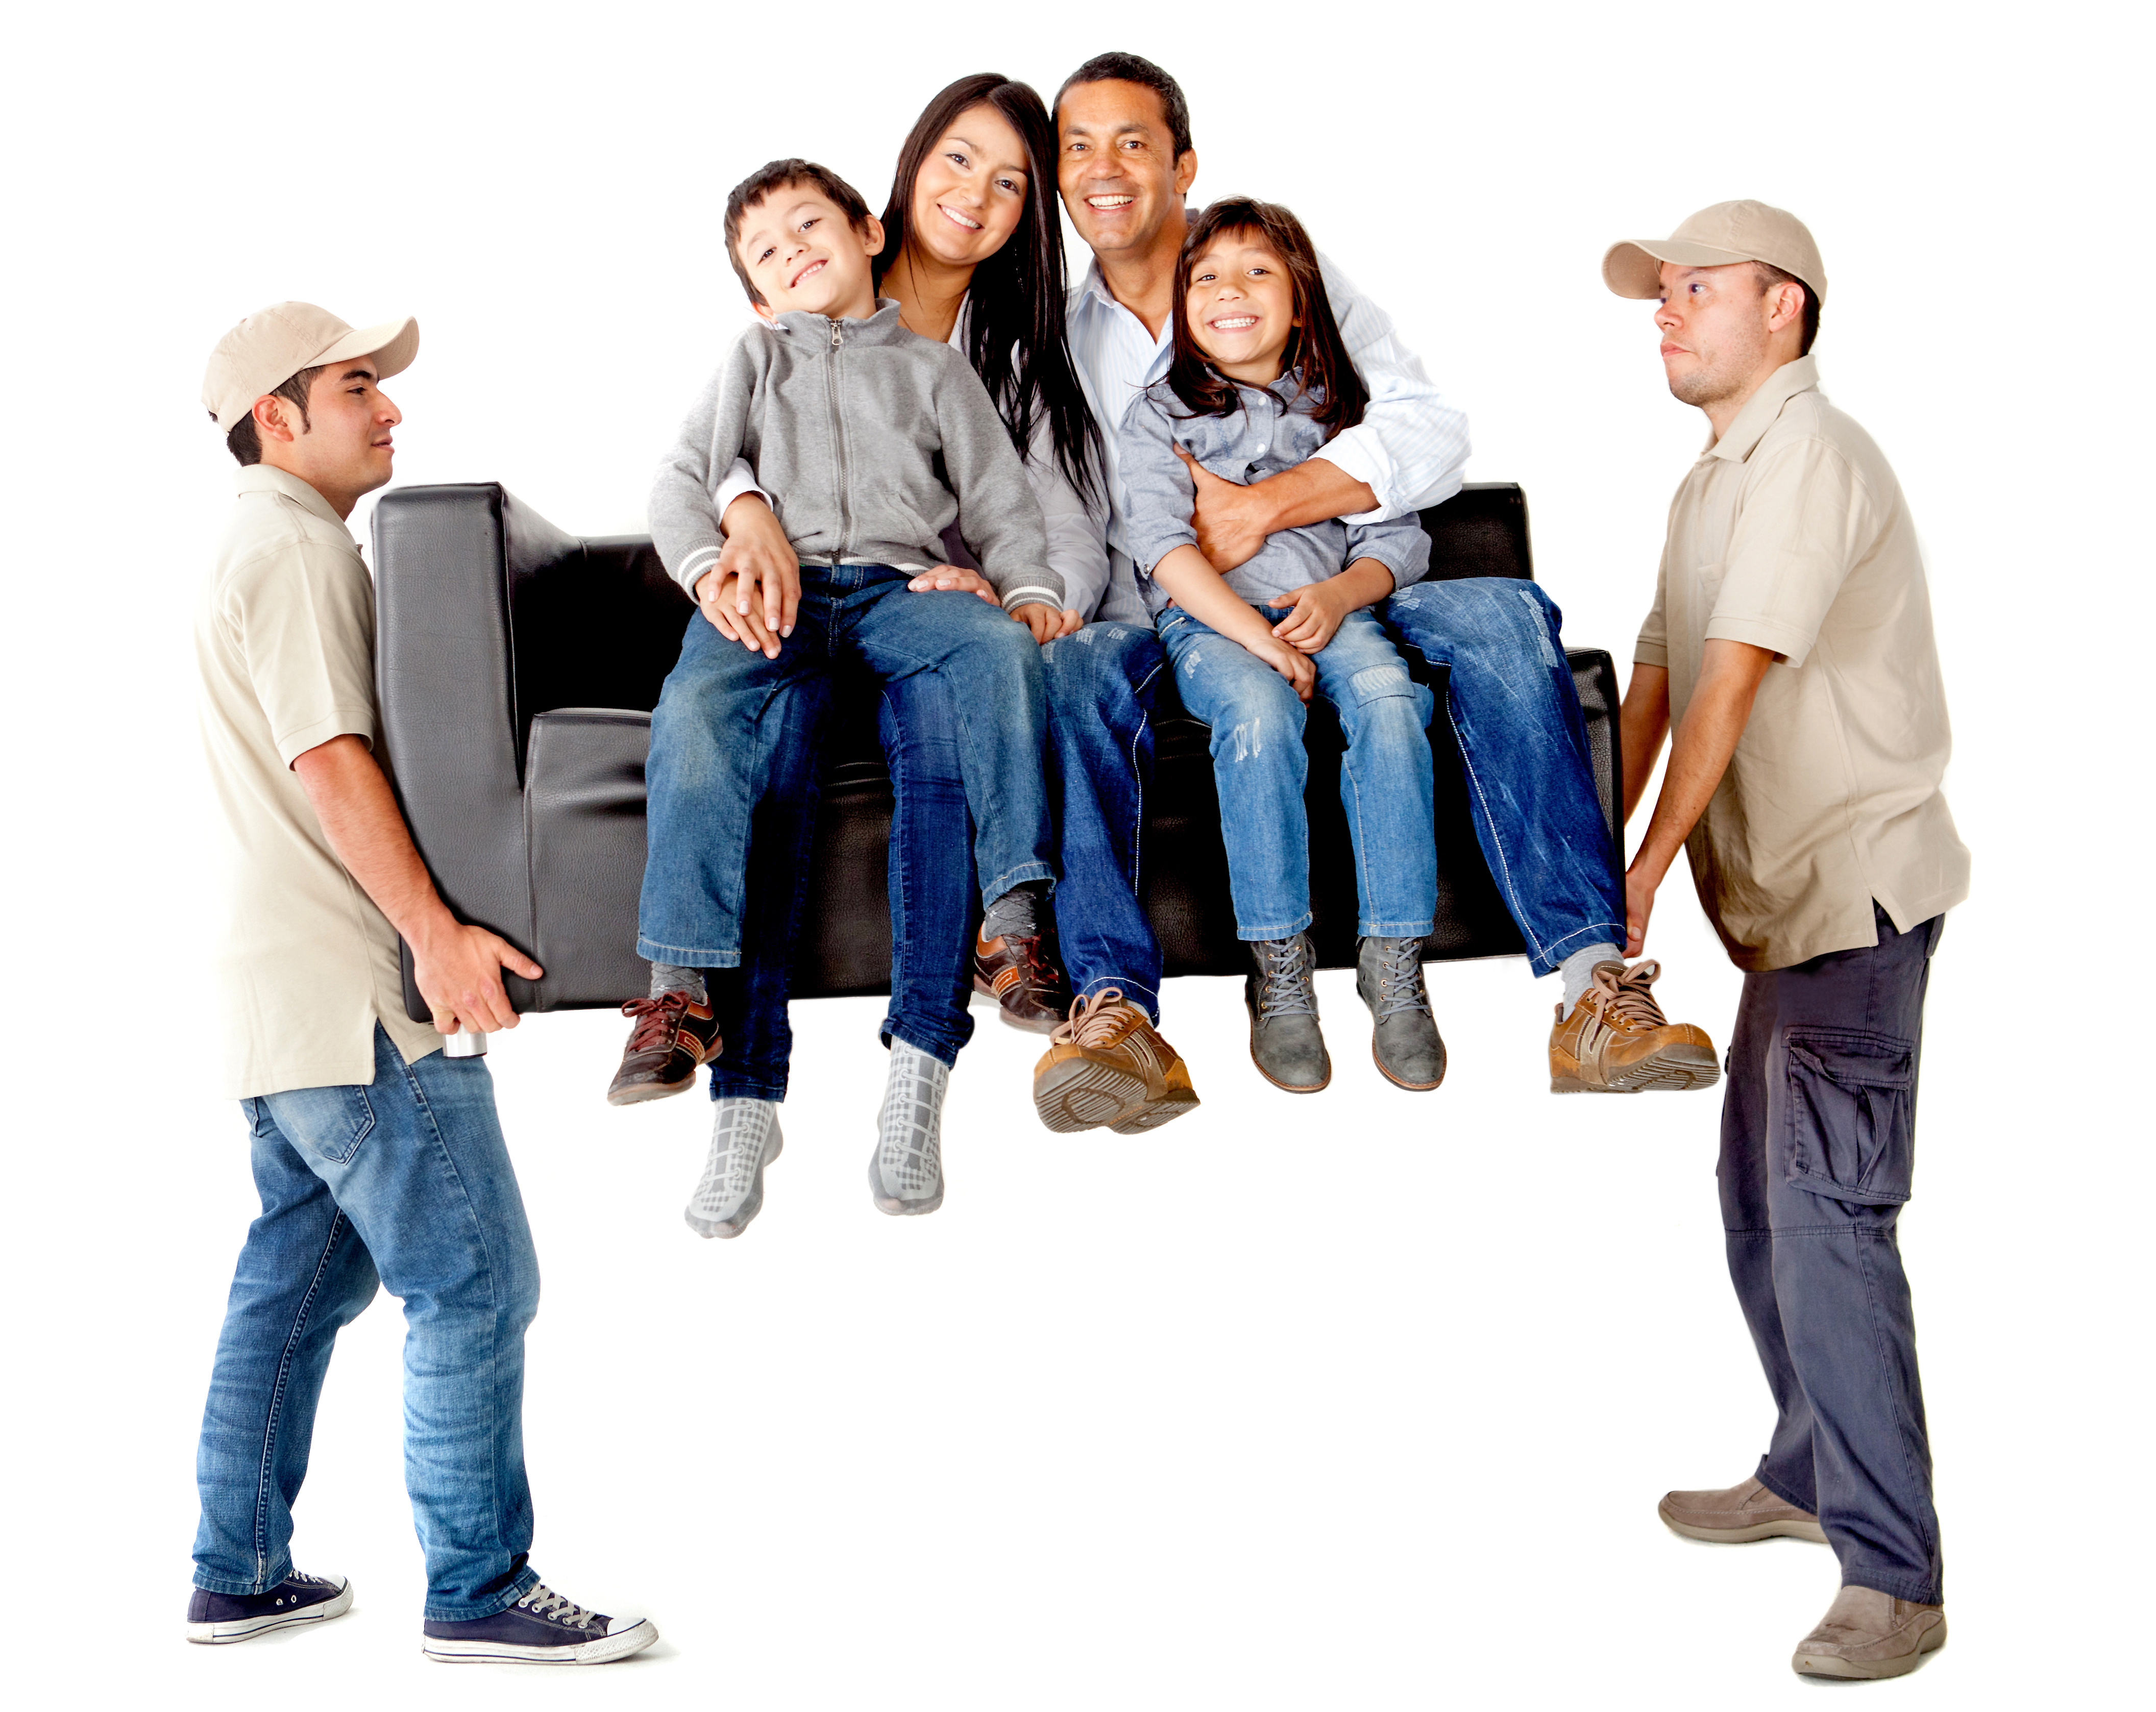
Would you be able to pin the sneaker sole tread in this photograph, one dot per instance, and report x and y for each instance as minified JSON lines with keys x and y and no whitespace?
{"x":606,"y":1650}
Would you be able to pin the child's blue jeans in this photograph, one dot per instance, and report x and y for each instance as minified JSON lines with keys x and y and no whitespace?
{"x":1259,"y":768}
{"x":733,"y":728}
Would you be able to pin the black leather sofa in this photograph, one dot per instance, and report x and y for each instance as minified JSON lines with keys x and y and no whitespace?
{"x":517,"y":667}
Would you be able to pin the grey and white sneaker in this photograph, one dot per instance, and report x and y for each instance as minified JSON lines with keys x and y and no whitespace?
{"x":543,"y":1627}
{"x":905,"y":1172}
{"x":1286,"y":1044}
{"x":218,"y":1619}
{"x":1404,"y":1041}
{"x":744,"y":1139}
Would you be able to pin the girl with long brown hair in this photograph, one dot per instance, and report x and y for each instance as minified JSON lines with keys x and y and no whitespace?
{"x":1260,"y":380}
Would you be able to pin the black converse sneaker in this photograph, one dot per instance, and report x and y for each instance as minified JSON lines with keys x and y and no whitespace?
{"x":217,"y":1619}
{"x":543,"y":1627}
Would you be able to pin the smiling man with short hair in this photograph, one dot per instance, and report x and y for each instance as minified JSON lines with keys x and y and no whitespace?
{"x":1127,"y":161}
{"x":1790,"y":642}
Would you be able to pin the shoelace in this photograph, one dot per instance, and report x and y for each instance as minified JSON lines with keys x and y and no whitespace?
{"x":543,"y":1600}
{"x":1399,"y":978}
{"x":657,"y":1020}
{"x":1092,"y":1022}
{"x":1284,"y":987}
{"x":1039,"y":971}
{"x":1626,"y":996}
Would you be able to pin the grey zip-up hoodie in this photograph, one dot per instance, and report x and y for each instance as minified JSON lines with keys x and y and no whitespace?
{"x":870,"y":441}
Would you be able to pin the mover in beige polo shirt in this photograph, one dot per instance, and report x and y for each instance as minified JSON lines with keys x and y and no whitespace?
{"x":285,"y":639}
{"x":1790,"y":641}
{"x":379,"y":1159}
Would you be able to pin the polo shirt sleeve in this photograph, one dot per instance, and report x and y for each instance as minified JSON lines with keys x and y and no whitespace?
{"x":304,"y":617}
{"x":1804,"y":521}
{"x":1653,"y":647}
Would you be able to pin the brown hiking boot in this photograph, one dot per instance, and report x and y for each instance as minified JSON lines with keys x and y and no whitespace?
{"x":1866,"y":1634}
{"x":1736,"y":1515}
{"x":1617,"y":1040}
{"x":1108,"y":1066}
{"x":1029,"y":990}
{"x":674,"y":1037}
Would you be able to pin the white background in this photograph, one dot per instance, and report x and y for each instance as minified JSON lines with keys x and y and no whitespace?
{"x":1357,"y":1400}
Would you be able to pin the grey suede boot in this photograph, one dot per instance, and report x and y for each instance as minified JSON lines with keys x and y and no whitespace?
{"x":1405,"y":1041}
{"x":1285,"y":1044}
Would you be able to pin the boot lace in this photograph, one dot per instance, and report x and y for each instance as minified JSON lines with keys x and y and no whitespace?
{"x":1284,"y":985}
{"x":1092,"y":1022}
{"x":543,"y":1600}
{"x":657,"y":1019}
{"x":1399,"y":978}
{"x":1624,"y":994}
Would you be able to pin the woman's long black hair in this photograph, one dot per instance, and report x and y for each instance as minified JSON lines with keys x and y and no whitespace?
{"x":1015,"y":337}
{"x":1315,"y":347}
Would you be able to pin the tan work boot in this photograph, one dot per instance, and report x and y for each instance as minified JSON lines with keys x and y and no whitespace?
{"x":1867,"y":1634}
{"x":1736,"y":1515}
{"x":1107,"y":1066}
{"x":1617,"y":1040}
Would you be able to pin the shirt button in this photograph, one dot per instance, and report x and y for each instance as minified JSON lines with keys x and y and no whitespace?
{"x":1261,"y":448}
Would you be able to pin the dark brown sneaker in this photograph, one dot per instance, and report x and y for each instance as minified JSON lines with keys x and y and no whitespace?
{"x":1617,"y":1040}
{"x":674,"y":1037}
{"x":1029,"y":989}
{"x":1109,"y":1069}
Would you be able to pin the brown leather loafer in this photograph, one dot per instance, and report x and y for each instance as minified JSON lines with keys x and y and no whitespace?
{"x":1029,"y":989}
{"x":1617,"y":1040}
{"x":1736,"y":1515}
{"x":674,"y":1037}
{"x":1866,"y":1634}
{"x":1109,"y":1069}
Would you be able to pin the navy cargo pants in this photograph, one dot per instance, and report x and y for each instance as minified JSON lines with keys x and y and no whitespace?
{"x":1818,"y":1139}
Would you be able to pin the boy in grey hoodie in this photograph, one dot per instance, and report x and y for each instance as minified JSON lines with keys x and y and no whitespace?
{"x":869,"y":442}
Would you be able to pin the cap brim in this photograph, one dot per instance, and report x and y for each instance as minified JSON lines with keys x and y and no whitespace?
{"x":392,"y":345}
{"x":1633,"y":268}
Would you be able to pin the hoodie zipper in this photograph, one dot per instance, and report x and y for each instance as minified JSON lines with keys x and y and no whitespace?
{"x":839,"y":442}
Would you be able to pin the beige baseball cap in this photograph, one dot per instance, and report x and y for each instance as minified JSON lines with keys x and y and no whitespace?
{"x":274,"y":344}
{"x":1714,"y":238}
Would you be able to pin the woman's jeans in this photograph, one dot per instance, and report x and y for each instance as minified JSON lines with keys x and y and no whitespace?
{"x":1260,"y":767}
{"x":406,"y":1182}
{"x":1818,"y":1149}
{"x":731,"y":727}
{"x":930,"y":877}
{"x":1531,"y":785}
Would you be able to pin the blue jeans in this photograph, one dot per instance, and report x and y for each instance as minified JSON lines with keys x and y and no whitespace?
{"x":1531,"y":785}
{"x":1101,"y":685}
{"x":930,"y":880}
{"x":406,"y":1182}
{"x":731,"y":725}
{"x":1818,"y":1148}
{"x":1259,"y":766}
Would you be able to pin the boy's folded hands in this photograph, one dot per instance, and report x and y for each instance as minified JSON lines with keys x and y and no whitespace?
{"x":753,"y":594}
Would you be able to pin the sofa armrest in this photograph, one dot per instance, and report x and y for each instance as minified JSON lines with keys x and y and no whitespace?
{"x":445,"y":680}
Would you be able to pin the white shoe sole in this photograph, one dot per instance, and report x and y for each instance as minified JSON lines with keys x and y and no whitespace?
{"x":246,"y":1629}
{"x":605,"y":1650}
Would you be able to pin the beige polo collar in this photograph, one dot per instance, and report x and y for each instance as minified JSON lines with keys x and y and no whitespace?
{"x":1762,"y":407}
{"x":268,"y":479}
